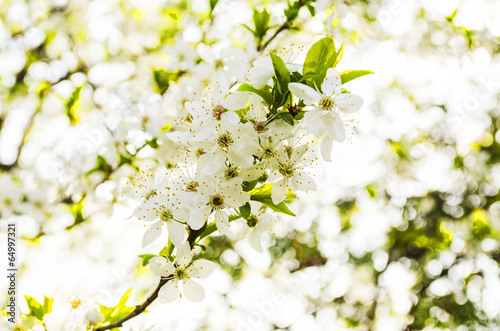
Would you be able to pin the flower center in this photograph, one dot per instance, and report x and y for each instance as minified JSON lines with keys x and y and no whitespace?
{"x":252,"y":221}
{"x":231,"y":173}
{"x":75,"y":303}
{"x":192,"y":186}
{"x":326,"y":103}
{"x":199,"y":152}
{"x":150,"y":194}
{"x":217,"y":112}
{"x":260,"y":127}
{"x":268,"y":152}
{"x":166,"y":215}
{"x":216,"y":201}
{"x":285,"y":170}
{"x":263,"y":178}
{"x":225,"y":140}
{"x":180,"y":274}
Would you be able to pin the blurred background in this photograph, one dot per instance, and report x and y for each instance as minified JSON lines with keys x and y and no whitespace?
{"x":402,"y":233}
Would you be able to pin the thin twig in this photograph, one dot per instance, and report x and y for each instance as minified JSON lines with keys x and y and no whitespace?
{"x":138,"y":309}
{"x":284,"y":26}
{"x":193,"y":234}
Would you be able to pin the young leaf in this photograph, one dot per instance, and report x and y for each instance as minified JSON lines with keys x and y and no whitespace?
{"x":245,"y":210}
{"x":281,"y":80}
{"x":264,"y":94}
{"x":349,"y":75}
{"x":213,"y":3}
{"x":321,"y":57}
{"x":263,"y":195}
{"x":261,"y":22}
{"x":340,"y":53}
{"x":282,"y":73}
{"x":72,"y":106}
{"x":247,"y":185}
{"x":146,"y":258}
{"x":163,"y":78}
{"x":287,"y":117}
{"x":113,"y":314}
{"x":36,"y":309}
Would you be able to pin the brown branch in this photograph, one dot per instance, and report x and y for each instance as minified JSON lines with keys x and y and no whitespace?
{"x":138,"y":309}
{"x":193,"y":234}
{"x":284,"y":26}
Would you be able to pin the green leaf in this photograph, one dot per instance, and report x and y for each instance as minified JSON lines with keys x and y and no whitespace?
{"x":163,"y":78}
{"x":349,"y":75}
{"x":249,"y":29}
{"x":145,"y":258}
{"x":247,"y":186}
{"x":296,"y":77}
{"x":281,"y":80}
{"x":264,"y":94}
{"x":340,"y":53}
{"x":245,"y":210}
{"x":36,"y":309}
{"x":72,"y":106}
{"x":287,"y":117}
{"x":261,"y":22}
{"x":263,"y":195}
{"x":101,"y":166}
{"x":291,"y":14}
{"x":167,"y":250}
{"x":213,"y":3}
{"x":113,"y":314}
{"x":281,"y":72}
{"x":311,"y":9}
{"x":321,"y":57}
{"x":47,"y":305}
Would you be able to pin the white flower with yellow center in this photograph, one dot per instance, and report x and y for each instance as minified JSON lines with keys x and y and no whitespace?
{"x":183,"y":273}
{"x":331,"y":107}
{"x":291,"y":162}
{"x":165,"y":209}
{"x":215,"y":198}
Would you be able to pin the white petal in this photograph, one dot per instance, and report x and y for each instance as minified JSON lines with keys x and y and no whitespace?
{"x":335,"y":127}
{"x":254,"y":241}
{"x":201,"y":269}
{"x":169,"y":292}
{"x":265,"y":223}
{"x":153,"y":232}
{"x":160,"y":266}
{"x":222,"y":222}
{"x":199,"y":216}
{"x":349,"y":103}
{"x":193,"y":291}
{"x":332,"y":83}
{"x":210,"y":163}
{"x":176,"y":232}
{"x":144,"y":212}
{"x":303,"y":182}
{"x":305,"y":93}
{"x":229,"y":119}
{"x":196,"y":108}
{"x":278,"y":193}
{"x":235,"y":101}
{"x":326,"y":148}
{"x":184,"y":255}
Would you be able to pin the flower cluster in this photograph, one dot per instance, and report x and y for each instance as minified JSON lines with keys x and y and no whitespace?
{"x":235,"y":145}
